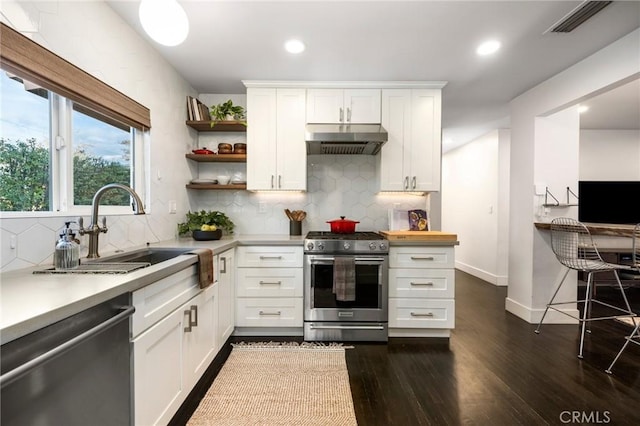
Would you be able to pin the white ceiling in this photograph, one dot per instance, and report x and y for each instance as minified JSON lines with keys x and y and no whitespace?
{"x":230,"y":41}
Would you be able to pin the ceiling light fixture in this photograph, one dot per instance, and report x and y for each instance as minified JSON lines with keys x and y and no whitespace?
{"x":164,"y":20}
{"x":294,"y":46}
{"x":488,"y":47}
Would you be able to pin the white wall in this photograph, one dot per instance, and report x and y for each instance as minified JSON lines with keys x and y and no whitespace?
{"x":529,"y":275}
{"x":475,"y":204}
{"x":610,"y":154}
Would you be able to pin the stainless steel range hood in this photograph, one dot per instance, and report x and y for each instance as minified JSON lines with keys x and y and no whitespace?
{"x":362,"y":139}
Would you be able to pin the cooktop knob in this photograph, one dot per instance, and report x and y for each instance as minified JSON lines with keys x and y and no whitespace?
{"x":372,"y":246}
{"x":321,"y":246}
{"x":383,"y":246}
{"x":346,"y":245}
{"x":309,"y":246}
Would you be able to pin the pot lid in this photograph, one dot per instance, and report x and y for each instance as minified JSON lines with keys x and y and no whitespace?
{"x":342,"y":220}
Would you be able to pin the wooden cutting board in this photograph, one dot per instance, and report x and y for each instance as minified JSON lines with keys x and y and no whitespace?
{"x":419,"y":236}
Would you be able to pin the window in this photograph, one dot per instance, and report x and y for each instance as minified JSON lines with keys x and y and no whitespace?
{"x":63,"y":134}
{"x":55,"y":153}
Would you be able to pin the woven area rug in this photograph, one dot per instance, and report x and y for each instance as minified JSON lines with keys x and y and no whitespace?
{"x":279,"y":384}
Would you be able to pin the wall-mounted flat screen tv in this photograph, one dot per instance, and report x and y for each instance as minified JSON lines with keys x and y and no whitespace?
{"x":609,"y":202}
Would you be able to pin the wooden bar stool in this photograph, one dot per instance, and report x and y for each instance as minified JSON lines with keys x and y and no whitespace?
{"x":573,"y":246}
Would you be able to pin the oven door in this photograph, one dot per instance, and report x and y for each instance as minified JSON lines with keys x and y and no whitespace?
{"x":371,"y":301}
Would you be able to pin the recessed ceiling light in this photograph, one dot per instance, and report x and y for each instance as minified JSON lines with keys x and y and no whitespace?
{"x":164,"y":20}
{"x":294,"y":46}
{"x":488,"y":47}
{"x":583,"y":108}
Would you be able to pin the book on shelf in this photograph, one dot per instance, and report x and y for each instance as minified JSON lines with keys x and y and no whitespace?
{"x":197,"y":110}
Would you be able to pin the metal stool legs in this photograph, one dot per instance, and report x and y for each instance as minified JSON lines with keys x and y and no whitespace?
{"x":634,"y":337}
{"x":588,"y":307}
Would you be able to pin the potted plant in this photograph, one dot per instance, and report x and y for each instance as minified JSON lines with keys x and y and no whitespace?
{"x":206,"y":225}
{"x":227,"y":111}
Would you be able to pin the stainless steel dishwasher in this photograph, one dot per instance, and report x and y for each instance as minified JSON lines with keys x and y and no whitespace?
{"x":74,"y":372}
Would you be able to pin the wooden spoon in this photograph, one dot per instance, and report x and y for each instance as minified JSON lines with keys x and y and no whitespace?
{"x":288,"y":213}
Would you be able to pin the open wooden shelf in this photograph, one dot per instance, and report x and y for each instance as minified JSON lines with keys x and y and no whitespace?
{"x":218,"y":158}
{"x":220,"y":126}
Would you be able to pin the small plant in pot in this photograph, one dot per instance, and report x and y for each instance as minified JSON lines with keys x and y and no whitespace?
{"x":206,"y":225}
{"x":227,"y":111}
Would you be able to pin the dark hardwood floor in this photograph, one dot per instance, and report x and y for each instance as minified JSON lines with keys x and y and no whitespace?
{"x":493,"y":371}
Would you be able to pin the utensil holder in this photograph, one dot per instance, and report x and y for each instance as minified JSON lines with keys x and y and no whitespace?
{"x":295,"y":227}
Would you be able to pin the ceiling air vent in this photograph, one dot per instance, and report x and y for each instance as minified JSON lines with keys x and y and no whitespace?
{"x":578,"y":16}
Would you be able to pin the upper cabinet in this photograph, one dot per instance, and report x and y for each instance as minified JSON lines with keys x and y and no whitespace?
{"x":411,"y":158}
{"x":343,"y":106}
{"x":276,"y":137}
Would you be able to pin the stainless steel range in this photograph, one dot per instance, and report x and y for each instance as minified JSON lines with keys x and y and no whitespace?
{"x":345,"y":287}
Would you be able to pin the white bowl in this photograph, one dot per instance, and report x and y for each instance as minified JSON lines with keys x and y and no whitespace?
{"x":223,"y":180}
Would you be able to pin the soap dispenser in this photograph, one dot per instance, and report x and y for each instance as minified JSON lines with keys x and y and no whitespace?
{"x":67,"y":254}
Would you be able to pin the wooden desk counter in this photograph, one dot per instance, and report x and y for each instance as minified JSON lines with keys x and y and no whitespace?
{"x":611,"y":230}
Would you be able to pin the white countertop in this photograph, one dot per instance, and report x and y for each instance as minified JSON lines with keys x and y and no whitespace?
{"x":31,"y":301}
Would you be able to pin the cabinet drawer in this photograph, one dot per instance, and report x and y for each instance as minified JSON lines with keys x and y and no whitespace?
{"x":255,"y":312}
{"x":421,"y":257}
{"x":275,"y":257}
{"x":159,"y":299}
{"x":422,"y":283}
{"x":421,"y":313}
{"x":269,"y":282}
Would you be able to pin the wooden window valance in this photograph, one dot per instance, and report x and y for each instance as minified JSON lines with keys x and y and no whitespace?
{"x":29,"y":60}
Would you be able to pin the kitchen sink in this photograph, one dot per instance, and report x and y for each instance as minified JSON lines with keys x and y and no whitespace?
{"x":151,"y":255}
{"x":121,"y":263}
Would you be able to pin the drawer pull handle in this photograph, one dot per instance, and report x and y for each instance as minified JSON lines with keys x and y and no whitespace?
{"x":194,"y":309}
{"x":428,"y":314}
{"x":187,"y":328}
{"x":270,"y":282}
{"x":270,"y":257}
{"x":422,"y":258}
{"x":263,"y":313}
{"x":430,"y":284}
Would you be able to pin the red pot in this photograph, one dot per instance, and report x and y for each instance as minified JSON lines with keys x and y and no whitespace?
{"x":342,"y":225}
{"x":202,"y":151}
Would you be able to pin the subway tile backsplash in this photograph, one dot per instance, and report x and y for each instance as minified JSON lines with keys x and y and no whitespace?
{"x":336,"y":186}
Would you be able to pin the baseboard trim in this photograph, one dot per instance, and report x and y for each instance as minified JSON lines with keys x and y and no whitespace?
{"x":498,"y":280}
{"x":533,"y":316}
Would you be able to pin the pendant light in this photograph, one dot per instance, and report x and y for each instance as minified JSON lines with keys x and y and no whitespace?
{"x":165,"y":21}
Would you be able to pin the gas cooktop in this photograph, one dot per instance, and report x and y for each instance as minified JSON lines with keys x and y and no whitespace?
{"x":325,"y":235}
{"x":355,"y":243}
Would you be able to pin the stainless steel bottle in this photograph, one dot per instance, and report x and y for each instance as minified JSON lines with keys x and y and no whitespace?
{"x":67,"y":253}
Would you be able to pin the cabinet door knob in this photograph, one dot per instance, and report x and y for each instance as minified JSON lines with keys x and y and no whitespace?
{"x":272,"y":181}
{"x":413,"y":183}
{"x":341,"y":115}
{"x":187,"y":328}
{"x":194,"y":309}
{"x":348,"y":115}
{"x":406,"y":182}
{"x":279,"y":181}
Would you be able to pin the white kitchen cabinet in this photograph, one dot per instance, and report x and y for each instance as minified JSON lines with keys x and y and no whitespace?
{"x":226,"y":295}
{"x":173,"y":337}
{"x":276,"y":149}
{"x":421,"y":291}
{"x":343,"y":106}
{"x":411,"y":159}
{"x":269,"y":290}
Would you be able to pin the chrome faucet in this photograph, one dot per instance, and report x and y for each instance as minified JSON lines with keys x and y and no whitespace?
{"x":94,"y":229}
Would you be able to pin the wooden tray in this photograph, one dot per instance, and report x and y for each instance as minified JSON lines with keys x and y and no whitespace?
{"x":419,"y":236}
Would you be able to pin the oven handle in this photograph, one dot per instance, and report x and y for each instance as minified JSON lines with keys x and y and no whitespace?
{"x":346,"y":327}
{"x":357,"y":259}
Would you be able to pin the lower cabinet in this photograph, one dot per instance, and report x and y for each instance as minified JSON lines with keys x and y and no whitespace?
{"x":421,"y":291}
{"x":172,"y":352}
{"x":269,"y":290}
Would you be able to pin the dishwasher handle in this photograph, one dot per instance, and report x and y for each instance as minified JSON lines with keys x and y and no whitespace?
{"x":16,"y":373}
